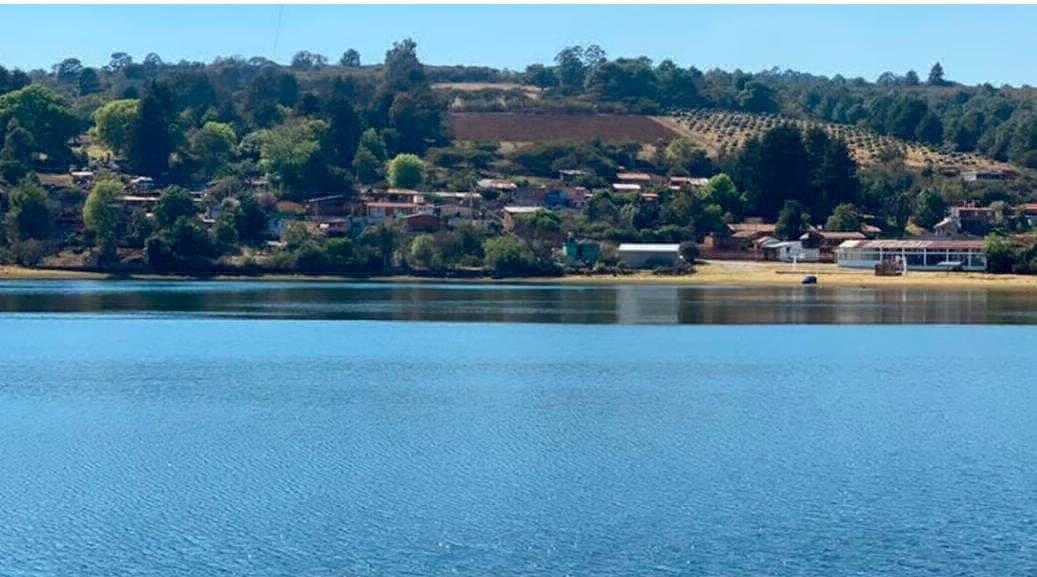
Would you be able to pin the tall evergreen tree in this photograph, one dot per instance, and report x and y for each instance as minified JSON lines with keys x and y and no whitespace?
{"x":151,"y":141}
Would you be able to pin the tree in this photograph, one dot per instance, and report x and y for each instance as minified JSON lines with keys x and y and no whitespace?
{"x":184,"y":246}
{"x":67,"y":71}
{"x":16,"y":154}
{"x":508,"y":255}
{"x":424,"y":251}
{"x":292,"y":153}
{"x":833,"y":174}
{"x":365,"y":166}
{"x":114,"y":123}
{"x":406,"y":171}
{"x":305,"y":60}
{"x":374,"y":143}
{"x":930,"y":208}
{"x":101,"y":214}
{"x":911,"y":78}
{"x":936,"y":75}
{"x":569,"y":68}
{"x":773,"y":169}
{"x":403,"y":70}
{"x":688,"y":251}
{"x":345,"y":125}
{"x":845,"y":218}
{"x":89,"y":83}
{"x":417,"y":119}
{"x":119,"y":61}
{"x":151,"y":141}
{"x":28,"y":214}
{"x":250,"y":219}
{"x":930,"y":129}
{"x":46,"y":116}
{"x":1001,"y":254}
{"x":684,"y":158}
{"x":792,"y":221}
{"x":721,"y":191}
{"x":214,"y":145}
{"x":540,"y":76}
{"x":174,"y":204}
{"x":350,"y":59}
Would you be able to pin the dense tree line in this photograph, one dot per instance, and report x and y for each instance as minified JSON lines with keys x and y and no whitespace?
{"x":998,"y":122}
{"x":309,"y":127}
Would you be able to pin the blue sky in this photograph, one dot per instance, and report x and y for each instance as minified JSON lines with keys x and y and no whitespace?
{"x":974,"y":43}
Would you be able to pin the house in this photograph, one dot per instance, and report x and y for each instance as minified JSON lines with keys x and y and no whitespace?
{"x":285,"y":212}
{"x":82,"y":177}
{"x":649,"y":255}
{"x":134,"y":201}
{"x":740,"y":236}
{"x":871,"y":231}
{"x":789,"y":251}
{"x":948,"y":227}
{"x":827,"y":241}
{"x":681,"y":182}
{"x":331,"y":205}
{"x":496,"y":185}
{"x":576,"y":197}
{"x":581,"y":252}
{"x":454,"y":210}
{"x":142,"y":183}
{"x":634,"y":178}
{"x":379,"y":210}
{"x":399,"y":195}
{"x":555,"y":198}
{"x":935,"y":254}
{"x":466,"y":198}
{"x":566,"y":175}
{"x":529,"y":196}
{"x":422,"y":222}
{"x":973,"y":219}
{"x":510,"y":215}
{"x":987,"y":175}
{"x":333,"y":226}
{"x":626,"y":187}
{"x":1029,"y":211}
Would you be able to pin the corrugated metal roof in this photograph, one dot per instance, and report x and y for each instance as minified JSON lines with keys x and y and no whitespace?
{"x":626,"y":186}
{"x":914,"y":244}
{"x":647,"y":247}
{"x":639,"y":176}
{"x":522,"y":209}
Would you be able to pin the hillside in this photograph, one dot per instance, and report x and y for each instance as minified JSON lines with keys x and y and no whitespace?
{"x":520,"y":127}
{"x":721,"y":133}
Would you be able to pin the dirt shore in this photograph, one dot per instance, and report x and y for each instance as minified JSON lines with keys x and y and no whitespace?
{"x":710,"y":273}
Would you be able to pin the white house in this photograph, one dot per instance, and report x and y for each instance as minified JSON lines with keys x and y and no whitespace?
{"x":649,"y":255}
{"x":789,"y":251}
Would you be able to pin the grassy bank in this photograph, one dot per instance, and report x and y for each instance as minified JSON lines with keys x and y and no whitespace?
{"x":712,"y":273}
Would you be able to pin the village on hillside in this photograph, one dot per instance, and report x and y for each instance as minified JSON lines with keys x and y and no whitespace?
{"x":589,"y":166}
{"x":535,"y":213}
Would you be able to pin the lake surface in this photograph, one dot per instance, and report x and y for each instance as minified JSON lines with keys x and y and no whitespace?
{"x":624,"y":304}
{"x":171,"y":440}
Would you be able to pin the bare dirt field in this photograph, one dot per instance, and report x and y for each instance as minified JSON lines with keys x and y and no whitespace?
{"x":513,"y":127}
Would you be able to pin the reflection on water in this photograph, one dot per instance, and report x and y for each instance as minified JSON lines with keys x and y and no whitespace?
{"x":622,"y":304}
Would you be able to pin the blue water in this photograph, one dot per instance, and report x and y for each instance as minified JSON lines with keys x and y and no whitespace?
{"x":141,"y":446}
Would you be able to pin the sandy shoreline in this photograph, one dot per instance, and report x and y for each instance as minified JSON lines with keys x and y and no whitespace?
{"x":711,"y":273}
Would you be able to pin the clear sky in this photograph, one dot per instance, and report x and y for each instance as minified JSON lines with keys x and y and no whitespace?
{"x":975,"y":43}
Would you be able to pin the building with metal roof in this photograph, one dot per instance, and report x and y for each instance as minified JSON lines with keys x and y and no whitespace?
{"x":930,"y":254}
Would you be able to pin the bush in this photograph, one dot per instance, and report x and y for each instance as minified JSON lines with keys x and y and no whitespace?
{"x":508,"y":256}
